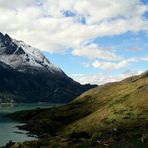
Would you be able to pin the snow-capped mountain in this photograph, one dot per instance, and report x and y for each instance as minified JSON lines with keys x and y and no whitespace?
{"x":26,"y":75}
{"x":21,"y":56}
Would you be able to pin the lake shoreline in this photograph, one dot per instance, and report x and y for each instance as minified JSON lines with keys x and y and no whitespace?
{"x":11,"y":129}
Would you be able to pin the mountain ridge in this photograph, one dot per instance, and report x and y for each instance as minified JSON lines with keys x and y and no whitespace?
{"x":28,"y":76}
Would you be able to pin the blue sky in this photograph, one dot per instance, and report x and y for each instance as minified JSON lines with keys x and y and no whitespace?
{"x":95,"y":41}
{"x":127,"y":45}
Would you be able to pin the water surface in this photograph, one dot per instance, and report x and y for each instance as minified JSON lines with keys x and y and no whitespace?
{"x":8,"y":129}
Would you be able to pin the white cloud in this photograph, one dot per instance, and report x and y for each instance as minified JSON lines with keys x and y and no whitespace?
{"x":88,"y":78}
{"x":44,"y":26}
{"x":145,"y":58}
{"x":98,"y":10}
{"x":110,"y":65}
{"x":101,"y":78}
{"x":93,"y":51}
{"x":105,"y":65}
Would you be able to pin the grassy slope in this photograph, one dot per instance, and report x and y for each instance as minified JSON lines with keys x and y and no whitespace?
{"x":120,"y":103}
{"x":111,"y":113}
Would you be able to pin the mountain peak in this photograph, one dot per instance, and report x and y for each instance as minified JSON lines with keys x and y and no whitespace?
{"x":21,"y":56}
{"x":4,"y":37}
{"x":7,"y":37}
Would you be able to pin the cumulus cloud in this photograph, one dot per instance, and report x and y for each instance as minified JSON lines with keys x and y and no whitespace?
{"x":103,"y":78}
{"x":88,"y":78}
{"x":110,"y":65}
{"x":107,"y":65}
{"x":43,"y":24}
{"x":93,"y":51}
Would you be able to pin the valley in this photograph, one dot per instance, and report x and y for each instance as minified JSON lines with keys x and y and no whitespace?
{"x":73,"y":73}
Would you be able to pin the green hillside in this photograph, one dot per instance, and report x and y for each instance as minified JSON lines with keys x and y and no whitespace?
{"x":114,"y":115}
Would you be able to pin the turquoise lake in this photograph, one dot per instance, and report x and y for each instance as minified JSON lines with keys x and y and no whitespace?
{"x":8,"y":129}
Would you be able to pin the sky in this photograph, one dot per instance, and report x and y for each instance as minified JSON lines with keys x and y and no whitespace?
{"x":92,"y":41}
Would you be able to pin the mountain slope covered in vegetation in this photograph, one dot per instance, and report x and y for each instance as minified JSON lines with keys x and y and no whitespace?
{"x":114,"y":114}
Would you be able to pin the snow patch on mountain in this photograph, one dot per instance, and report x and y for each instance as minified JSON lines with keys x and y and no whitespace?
{"x":29,"y":56}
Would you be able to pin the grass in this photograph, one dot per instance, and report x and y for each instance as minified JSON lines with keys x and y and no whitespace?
{"x":111,"y":113}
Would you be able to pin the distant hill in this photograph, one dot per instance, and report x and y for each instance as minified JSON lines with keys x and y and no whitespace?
{"x":26,"y":75}
{"x":114,"y":114}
